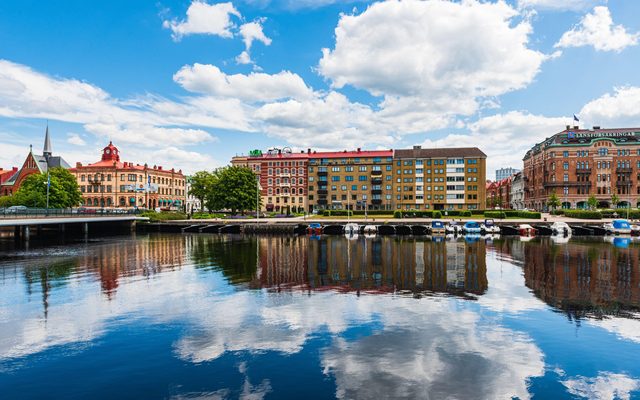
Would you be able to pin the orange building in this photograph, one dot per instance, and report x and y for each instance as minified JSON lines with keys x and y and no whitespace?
{"x":111,"y":183}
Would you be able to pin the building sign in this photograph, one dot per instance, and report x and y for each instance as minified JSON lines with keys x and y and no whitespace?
{"x":605,"y":134}
{"x":255,"y":153}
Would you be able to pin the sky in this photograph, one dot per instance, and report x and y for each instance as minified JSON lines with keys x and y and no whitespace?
{"x":189,"y":84}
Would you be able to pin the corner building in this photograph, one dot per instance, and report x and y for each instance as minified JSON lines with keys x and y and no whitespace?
{"x":439,"y":179}
{"x":111,"y":183}
{"x":578,"y":163}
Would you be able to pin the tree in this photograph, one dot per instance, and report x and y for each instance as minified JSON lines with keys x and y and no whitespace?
{"x":553,"y":201}
{"x":233,"y":188}
{"x":615,"y":200}
{"x":200,"y":185}
{"x":592,"y":202}
{"x":63,"y":192}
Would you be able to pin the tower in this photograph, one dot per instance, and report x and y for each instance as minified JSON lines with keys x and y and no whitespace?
{"x":46,"y":151}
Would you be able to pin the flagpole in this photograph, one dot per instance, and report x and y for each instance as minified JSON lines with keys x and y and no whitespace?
{"x":48,"y":184}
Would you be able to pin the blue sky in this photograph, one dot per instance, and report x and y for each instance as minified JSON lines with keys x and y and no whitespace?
{"x":189,"y":84}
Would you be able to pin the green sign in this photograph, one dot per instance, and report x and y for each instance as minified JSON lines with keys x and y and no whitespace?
{"x":255,"y":153}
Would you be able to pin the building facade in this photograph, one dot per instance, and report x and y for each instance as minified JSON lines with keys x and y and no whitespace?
{"x":111,"y":183}
{"x":193,"y":204}
{"x":517,"y":192}
{"x":503,"y":173}
{"x":439,"y":179}
{"x":499,"y":193}
{"x":353,"y":180}
{"x":33,"y":164}
{"x":578,"y":163}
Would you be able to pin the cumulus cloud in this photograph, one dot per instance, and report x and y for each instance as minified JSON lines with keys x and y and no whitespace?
{"x":559,"y":5}
{"x":204,"y":19}
{"x":250,"y":32}
{"x":597,"y":30}
{"x":210,"y":80}
{"x":440,"y":52}
{"x":75,"y":139}
{"x":617,"y":109}
{"x":606,"y":385}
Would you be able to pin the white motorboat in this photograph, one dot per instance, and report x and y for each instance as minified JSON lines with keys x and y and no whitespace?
{"x":370,"y":229}
{"x":560,"y":228}
{"x":351,"y":229}
{"x":618,"y":227}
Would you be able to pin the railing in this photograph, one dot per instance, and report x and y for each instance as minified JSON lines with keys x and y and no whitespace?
{"x":12,"y":213}
{"x":624,"y":170}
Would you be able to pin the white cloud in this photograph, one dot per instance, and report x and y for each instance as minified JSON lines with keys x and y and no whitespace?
{"x":606,"y":385}
{"x":250,"y":32}
{"x":622,"y":108}
{"x":505,"y":138}
{"x":75,"y":139}
{"x":435,"y":53}
{"x":597,"y":30}
{"x":208,"y":79}
{"x":205,"y":19}
{"x":559,"y":5}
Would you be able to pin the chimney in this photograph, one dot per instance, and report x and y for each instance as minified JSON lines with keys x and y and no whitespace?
{"x":576,"y":127}
{"x":358,"y":149}
{"x":596,"y":127}
{"x":417,"y":147}
{"x":568,"y":127}
{"x":308,"y":151}
{"x":78,"y":164}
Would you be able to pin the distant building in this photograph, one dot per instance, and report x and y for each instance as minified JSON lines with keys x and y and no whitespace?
{"x":499,"y":193}
{"x":33,"y":164}
{"x":193,"y":203}
{"x":505,"y":173}
{"x":111,"y":183}
{"x":517,"y":192}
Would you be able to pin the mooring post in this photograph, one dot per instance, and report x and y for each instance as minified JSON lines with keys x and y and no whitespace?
{"x":25,"y":233}
{"x":85,"y":229}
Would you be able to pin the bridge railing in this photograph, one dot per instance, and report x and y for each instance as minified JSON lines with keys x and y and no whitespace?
{"x":15,"y":213}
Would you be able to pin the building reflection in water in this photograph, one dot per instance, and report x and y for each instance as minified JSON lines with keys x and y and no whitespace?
{"x":582,"y":277}
{"x":381,"y":264}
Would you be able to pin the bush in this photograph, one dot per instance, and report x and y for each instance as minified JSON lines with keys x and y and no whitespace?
{"x":163,"y":215}
{"x":436,"y":214}
{"x":583,"y":214}
{"x":495,"y":214}
{"x":466,"y":213}
{"x":558,"y":212}
{"x":337,"y":213}
{"x":397,"y":214}
{"x":202,"y":215}
{"x":529,"y":214}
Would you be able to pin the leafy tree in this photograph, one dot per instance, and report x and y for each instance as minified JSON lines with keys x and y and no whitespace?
{"x":200,"y":185}
{"x":233,"y":188}
{"x":63,"y":192}
{"x":592,"y":202}
{"x":615,"y":200}
{"x":553,"y":201}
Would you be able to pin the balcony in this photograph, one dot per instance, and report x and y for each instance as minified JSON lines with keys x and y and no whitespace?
{"x":567,"y":183}
{"x":287,"y":184}
{"x":376,"y":173}
{"x":376,"y":201}
{"x":322,"y":173}
{"x":284,"y":174}
{"x":376,"y":191}
{"x":624,"y":170}
{"x":624,"y":183}
{"x":583,"y":171}
{"x":323,"y":191}
{"x":322,"y":201}
{"x":376,"y":181}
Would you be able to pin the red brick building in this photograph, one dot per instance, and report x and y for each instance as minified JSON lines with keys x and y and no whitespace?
{"x":499,"y":193}
{"x":578,"y":163}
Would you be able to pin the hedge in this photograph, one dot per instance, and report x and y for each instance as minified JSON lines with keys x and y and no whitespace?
{"x":495,"y":214}
{"x":163,"y":216}
{"x":413,"y":214}
{"x":466,"y":213}
{"x":583,"y":214}
{"x":337,"y":213}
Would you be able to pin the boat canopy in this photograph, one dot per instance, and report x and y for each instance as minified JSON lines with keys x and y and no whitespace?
{"x":437,"y":224}
{"x":472,"y":225}
{"x":488,"y":222}
{"x":315,"y":225}
{"x":621,"y":224}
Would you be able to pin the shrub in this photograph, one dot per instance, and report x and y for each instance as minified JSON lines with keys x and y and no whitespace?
{"x":337,"y":213}
{"x":529,"y":214}
{"x":495,"y":214}
{"x":163,"y":215}
{"x":557,"y":212}
{"x":466,"y":213}
{"x":436,"y":214}
{"x":397,"y":214}
{"x":583,"y":214}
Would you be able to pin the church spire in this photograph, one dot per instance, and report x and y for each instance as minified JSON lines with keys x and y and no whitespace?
{"x":47,"y":143}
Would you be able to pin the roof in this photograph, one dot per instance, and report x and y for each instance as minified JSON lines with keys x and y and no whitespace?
{"x":351,"y":154}
{"x":418,"y":152}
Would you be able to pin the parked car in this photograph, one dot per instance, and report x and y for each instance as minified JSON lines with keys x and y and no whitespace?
{"x":16,"y":210}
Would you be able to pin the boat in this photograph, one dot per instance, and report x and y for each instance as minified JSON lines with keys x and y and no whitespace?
{"x":437,"y":227}
{"x":560,"y":228}
{"x":403,"y":230}
{"x":386,"y":230}
{"x":351,"y":229}
{"x":490,"y":227}
{"x":333,"y":229}
{"x":635,"y":230}
{"x":617,"y":227}
{"x":370,"y":229}
{"x":472,"y":237}
{"x":560,"y":239}
{"x":526,"y":230}
{"x":314,"y":229}
{"x":419,"y":229}
{"x":472,"y":227}
{"x":453,"y":228}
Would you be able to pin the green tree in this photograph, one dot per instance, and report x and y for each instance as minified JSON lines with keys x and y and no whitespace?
{"x":592,"y":202}
{"x":233,"y":188}
{"x":200,"y":185}
{"x":615,"y":200}
{"x":553,"y":201}
{"x":63,"y":192}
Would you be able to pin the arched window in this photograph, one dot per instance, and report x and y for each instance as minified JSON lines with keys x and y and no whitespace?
{"x":122,"y":202}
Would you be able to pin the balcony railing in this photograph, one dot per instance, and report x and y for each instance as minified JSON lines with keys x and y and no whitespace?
{"x":624,"y":170}
{"x":322,"y":173}
{"x":376,"y":181}
{"x":323,"y":191}
{"x":584,"y":171}
{"x":566,"y":183}
{"x":376,"y":173}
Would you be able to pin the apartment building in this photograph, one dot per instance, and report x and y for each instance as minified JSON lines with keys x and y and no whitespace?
{"x":439,"y":179}
{"x":354,"y":180}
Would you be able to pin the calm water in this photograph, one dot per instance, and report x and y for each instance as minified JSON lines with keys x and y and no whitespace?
{"x":205,"y":316}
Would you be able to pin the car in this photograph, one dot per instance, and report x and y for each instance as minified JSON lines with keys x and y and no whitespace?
{"x":16,"y":210}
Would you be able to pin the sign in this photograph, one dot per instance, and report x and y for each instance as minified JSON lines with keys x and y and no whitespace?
{"x":571,"y":135}
{"x":604,"y":134}
{"x":255,"y":153}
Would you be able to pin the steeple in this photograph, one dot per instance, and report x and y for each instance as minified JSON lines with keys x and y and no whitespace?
{"x":47,"y":143}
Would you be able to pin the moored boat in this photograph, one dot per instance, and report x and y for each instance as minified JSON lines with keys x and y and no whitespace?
{"x":472,"y":227}
{"x":617,"y":227}
{"x":314,"y":229}
{"x":437,"y":227}
{"x":490,"y":227}
{"x":351,"y":229}
{"x":526,"y":230}
{"x":371,"y":229}
{"x":560,"y":228}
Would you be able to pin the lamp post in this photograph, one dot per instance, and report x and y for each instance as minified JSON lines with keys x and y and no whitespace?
{"x":48,"y":185}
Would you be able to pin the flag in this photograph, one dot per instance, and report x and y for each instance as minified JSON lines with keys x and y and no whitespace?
{"x":575,"y":118}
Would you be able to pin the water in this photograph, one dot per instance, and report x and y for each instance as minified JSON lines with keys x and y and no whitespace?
{"x":206,"y":316}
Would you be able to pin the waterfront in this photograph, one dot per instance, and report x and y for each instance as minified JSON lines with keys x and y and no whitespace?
{"x":214,"y":316}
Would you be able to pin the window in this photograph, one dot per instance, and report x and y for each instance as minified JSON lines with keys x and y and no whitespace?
{"x":362,"y":178}
{"x":362,"y":168}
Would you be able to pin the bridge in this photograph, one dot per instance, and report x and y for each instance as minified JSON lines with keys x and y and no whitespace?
{"x":23,"y":224}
